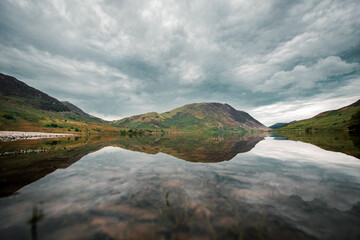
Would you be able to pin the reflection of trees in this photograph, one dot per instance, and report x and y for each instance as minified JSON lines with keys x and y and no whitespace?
{"x":37,"y":216}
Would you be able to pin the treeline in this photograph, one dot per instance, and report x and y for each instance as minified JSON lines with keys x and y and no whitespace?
{"x":140,"y":132}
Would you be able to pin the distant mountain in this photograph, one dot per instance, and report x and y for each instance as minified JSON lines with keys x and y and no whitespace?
{"x":346,"y":118}
{"x":25,"y":108}
{"x":80,"y":112}
{"x":279,"y":125}
{"x":196,"y":116}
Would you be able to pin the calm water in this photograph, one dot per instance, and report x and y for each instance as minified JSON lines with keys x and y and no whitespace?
{"x":180,"y":187}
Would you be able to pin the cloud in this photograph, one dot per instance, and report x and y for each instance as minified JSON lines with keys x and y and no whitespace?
{"x":303,"y":77}
{"x":122,"y":58}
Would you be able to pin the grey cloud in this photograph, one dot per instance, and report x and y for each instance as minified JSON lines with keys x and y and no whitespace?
{"x":302,"y":77}
{"x":145,"y":56}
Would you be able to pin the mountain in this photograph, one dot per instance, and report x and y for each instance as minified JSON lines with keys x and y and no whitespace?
{"x":279,"y":125}
{"x":25,"y":108}
{"x":196,"y":116}
{"x":346,"y":118}
{"x":10,"y":87}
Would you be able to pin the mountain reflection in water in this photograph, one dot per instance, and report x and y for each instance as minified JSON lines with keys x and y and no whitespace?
{"x":26,"y":161}
{"x":271,"y":189}
{"x":193,"y":148}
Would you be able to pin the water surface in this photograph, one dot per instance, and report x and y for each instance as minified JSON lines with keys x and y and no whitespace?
{"x":179,"y":187}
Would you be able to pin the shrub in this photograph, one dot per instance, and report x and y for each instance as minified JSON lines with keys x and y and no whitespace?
{"x":8,"y":116}
{"x":53,"y":125}
{"x":123,"y":133}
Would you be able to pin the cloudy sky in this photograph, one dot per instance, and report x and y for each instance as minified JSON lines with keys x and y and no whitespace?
{"x":279,"y":60}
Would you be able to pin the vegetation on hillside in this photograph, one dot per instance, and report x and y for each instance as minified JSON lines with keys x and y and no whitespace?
{"x":344,"y":119}
{"x":354,"y":123}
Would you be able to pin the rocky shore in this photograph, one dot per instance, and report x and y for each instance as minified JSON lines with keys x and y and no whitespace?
{"x":14,"y":135}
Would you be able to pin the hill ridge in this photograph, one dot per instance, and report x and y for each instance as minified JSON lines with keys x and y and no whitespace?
{"x":204,"y":115}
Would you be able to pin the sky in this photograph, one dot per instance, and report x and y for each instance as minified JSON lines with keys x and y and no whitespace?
{"x":278,"y":60}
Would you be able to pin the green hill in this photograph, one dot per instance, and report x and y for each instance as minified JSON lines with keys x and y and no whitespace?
{"x":25,"y":108}
{"x":196,"y":116}
{"x":346,"y":118}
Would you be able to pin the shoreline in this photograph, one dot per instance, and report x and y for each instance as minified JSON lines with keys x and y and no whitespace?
{"x":6,"y":136}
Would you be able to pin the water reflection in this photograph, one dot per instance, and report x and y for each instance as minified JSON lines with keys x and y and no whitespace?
{"x":21,"y":166}
{"x":274,"y":189}
{"x":36,"y":217}
{"x":193,"y":148}
{"x":23,"y":162}
{"x":335,"y":141}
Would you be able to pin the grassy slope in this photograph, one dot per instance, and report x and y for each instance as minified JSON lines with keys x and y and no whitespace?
{"x":18,"y":114}
{"x":331,"y":120}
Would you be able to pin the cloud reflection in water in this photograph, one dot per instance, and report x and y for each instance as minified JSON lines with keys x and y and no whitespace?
{"x":276,"y":190}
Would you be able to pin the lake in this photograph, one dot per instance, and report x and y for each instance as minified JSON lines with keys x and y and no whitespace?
{"x":181,"y":186}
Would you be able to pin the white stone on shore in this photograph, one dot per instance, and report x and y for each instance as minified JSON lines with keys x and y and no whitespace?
{"x":15,"y":135}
